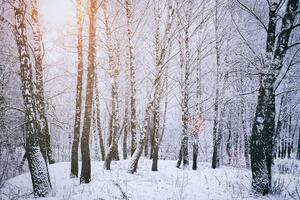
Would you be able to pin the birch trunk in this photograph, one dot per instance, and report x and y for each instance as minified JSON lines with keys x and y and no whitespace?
{"x":98,"y":121}
{"x":126,"y":120}
{"x":44,"y":140}
{"x":78,"y":103}
{"x":216,"y":143}
{"x":132,"y":71}
{"x":185,"y":63}
{"x":85,"y":176}
{"x":264,"y":121}
{"x":37,"y":165}
{"x":113,"y":148}
{"x":138,"y":152}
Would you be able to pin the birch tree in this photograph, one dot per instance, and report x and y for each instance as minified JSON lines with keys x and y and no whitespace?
{"x":85,"y":176}
{"x":39,"y":84}
{"x":162,"y":54}
{"x":76,"y":137}
{"x":154,"y":99}
{"x":185,"y":65}
{"x":132,"y":74}
{"x":37,"y":164}
{"x":97,"y":103}
{"x":277,"y":45}
{"x":114,"y":73}
{"x":216,"y":136}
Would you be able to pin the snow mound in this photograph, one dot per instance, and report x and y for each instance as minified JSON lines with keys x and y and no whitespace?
{"x":168,"y":183}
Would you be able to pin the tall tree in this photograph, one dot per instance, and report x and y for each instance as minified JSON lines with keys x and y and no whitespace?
{"x":97,"y":99}
{"x":39,"y":84}
{"x":113,"y":146}
{"x":76,"y":137}
{"x":138,"y":152}
{"x":185,"y":64}
{"x":113,"y":63}
{"x":243,"y":121}
{"x":126,"y":125}
{"x":162,"y":53}
{"x":216,"y":137}
{"x":156,"y":111}
{"x":85,"y":176}
{"x":155,"y":92}
{"x":132,"y":74}
{"x":264,"y":120}
{"x":37,"y":165}
{"x":198,"y":107}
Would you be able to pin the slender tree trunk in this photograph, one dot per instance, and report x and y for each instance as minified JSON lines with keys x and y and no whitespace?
{"x":126,"y":125}
{"x":95,"y":143}
{"x":98,"y":121}
{"x":132,"y":71}
{"x":85,"y":176}
{"x":298,"y":149}
{"x":110,"y":130}
{"x":114,"y":118}
{"x":40,"y":100}
{"x":290,"y":138}
{"x":246,"y":138}
{"x":151,"y":134}
{"x":221,"y":125}
{"x":165,"y":109}
{"x":148,"y":140}
{"x":37,"y":165}
{"x":198,"y":107}
{"x":195,"y":152}
{"x":116,"y":102}
{"x":277,"y":137}
{"x":138,"y":152}
{"x":156,"y":119}
{"x":244,"y":125}
{"x":185,"y":65}
{"x":125,"y":134}
{"x":185,"y":117}
{"x":236,"y":146}
{"x":154,"y":99}
{"x":113,"y":148}
{"x":44,"y":136}
{"x":75,"y":144}
{"x":216,"y":156}
{"x":229,"y":142}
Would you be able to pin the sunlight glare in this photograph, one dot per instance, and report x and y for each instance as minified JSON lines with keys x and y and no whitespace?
{"x":57,"y":13}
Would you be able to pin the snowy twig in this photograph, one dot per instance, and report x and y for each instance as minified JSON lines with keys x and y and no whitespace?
{"x":124,"y":196}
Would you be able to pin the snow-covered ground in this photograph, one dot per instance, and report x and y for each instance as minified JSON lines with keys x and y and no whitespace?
{"x":168,"y":183}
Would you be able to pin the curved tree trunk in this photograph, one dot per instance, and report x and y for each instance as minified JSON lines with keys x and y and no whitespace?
{"x":138,"y":152}
{"x":113,"y":146}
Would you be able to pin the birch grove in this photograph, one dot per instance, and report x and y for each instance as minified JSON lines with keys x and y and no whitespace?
{"x":163,"y":92}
